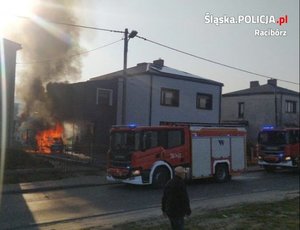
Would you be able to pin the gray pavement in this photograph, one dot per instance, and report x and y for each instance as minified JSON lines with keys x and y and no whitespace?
{"x":72,"y":182}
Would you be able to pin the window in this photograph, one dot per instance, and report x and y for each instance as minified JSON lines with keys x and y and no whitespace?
{"x":175,"y":138}
{"x":241,"y":111}
{"x":294,"y":136}
{"x":150,"y":139}
{"x":204,"y":101}
{"x":104,"y":97}
{"x":169,"y":97}
{"x":291,"y":106}
{"x":166,"y":138}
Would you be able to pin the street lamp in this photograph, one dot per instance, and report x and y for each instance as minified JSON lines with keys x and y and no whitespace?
{"x":127,"y":36}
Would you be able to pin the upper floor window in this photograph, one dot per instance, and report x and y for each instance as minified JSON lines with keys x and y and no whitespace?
{"x":104,"y":97}
{"x":169,"y":97}
{"x":204,"y":101}
{"x":241,"y":110}
{"x":291,"y":106}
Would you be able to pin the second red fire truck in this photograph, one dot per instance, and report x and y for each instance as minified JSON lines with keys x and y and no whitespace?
{"x":148,"y":154}
{"x":279,"y":147}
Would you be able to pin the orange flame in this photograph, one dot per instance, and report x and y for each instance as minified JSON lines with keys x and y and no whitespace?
{"x":46,"y":139}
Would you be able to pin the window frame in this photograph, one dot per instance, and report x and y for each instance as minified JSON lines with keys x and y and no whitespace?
{"x":241,"y":109}
{"x":110,"y":98}
{"x":291,"y":106}
{"x":208,"y":105}
{"x":174,"y":101}
{"x":182,"y":140}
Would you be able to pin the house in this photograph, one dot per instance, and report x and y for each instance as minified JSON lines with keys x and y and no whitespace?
{"x":261,"y":105}
{"x":151,"y":94}
{"x":8,"y":52}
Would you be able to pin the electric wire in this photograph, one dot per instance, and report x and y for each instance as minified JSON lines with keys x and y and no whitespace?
{"x":70,"y":56}
{"x":214,"y":62}
{"x":171,"y":48}
{"x":75,"y":25}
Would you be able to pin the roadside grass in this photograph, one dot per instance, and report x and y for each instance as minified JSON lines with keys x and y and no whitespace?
{"x":259,"y":216}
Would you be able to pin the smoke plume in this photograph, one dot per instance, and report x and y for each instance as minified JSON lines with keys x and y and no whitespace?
{"x":48,"y":55}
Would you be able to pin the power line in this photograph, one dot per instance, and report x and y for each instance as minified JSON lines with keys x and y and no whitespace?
{"x":75,"y":25}
{"x":215,"y":62}
{"x":70,"y":56}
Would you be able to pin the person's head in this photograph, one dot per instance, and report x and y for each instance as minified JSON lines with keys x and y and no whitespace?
{"x":180,"y":171}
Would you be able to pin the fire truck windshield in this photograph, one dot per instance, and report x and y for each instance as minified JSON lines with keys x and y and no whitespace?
{"x":272,"y":137}
{"x":125,"y":140}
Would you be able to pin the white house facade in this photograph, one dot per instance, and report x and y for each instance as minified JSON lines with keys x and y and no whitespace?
{"x":166,"y":95}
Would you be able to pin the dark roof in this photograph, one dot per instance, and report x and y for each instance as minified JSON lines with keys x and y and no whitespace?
{"x":263,"y":89}
{"x":150,"y":68}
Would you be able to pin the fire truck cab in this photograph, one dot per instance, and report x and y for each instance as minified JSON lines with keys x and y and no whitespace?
{"x":148,"y":154}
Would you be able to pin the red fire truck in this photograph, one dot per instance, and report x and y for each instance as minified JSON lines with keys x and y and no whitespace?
{"x":148,"y":155}
{"x":278,"y":147}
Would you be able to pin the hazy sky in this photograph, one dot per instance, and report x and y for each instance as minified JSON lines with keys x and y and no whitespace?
{"x":188,"y":25}
{"x":181,"y":24}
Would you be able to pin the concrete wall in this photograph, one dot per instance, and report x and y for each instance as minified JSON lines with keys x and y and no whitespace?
{"x":260,"y":111}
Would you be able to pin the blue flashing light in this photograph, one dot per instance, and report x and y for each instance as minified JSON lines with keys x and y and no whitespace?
{"x":132,"y":125}
{"x":268,"y":127}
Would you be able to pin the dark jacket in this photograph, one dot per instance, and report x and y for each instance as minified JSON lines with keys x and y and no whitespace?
{"x":175,"y":200}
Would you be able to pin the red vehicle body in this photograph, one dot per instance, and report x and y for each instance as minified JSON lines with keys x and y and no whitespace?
{"x":278,"y":148}
{"x":148,"y":155}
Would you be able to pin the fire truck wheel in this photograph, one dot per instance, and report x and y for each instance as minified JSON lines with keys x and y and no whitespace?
{"x":221,"y":173}
{"x":161,"y":176}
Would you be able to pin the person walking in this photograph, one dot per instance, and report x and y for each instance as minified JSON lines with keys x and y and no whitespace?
{"x":175,"y":200}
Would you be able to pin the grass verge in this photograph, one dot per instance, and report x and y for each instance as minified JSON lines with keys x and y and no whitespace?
{"x":276,"y":215}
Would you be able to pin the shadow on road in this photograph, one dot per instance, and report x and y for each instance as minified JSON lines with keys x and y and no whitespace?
{"x":15,"y":212}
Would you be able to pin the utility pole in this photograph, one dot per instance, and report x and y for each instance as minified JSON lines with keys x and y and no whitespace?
{"x":276,"y":108}
{"x":127,"y":36}
{"x":124,"y":76}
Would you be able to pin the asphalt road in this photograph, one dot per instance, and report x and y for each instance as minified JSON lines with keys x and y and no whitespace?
{"x":105,"y":205}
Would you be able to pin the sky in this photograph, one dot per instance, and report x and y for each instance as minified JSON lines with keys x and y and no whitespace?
{"x":191,"y":26}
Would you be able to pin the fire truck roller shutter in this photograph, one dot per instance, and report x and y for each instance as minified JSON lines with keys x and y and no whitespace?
{"x":160,"y":173}
{"x":238,"y":150}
